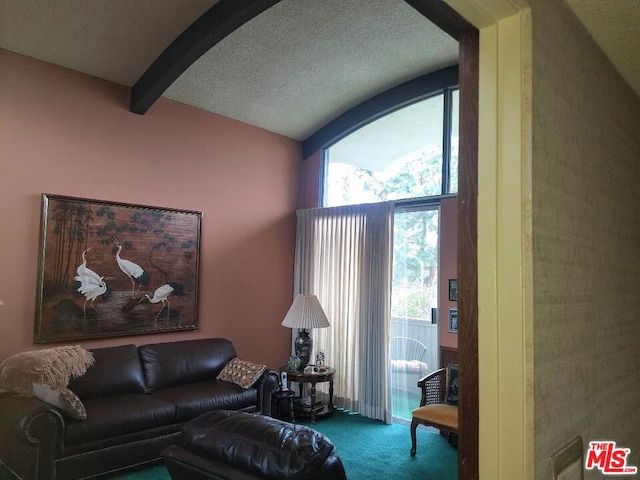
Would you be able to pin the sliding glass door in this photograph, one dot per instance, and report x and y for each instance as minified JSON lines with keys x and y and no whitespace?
{"x":410,"y":157}
{"x":414,"y":333}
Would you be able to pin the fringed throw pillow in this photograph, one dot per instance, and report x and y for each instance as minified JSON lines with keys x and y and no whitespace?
{"x":51,"y":366}
{"x":45,"y":374}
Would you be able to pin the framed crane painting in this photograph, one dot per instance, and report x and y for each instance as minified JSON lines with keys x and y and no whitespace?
{"x":113,"y":269}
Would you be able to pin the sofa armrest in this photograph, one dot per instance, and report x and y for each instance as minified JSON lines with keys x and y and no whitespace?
{"x":267,"y":384}
{"x":31,"y":436}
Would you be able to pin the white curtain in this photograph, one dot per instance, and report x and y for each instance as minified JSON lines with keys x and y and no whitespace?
{"x":343,"y":255}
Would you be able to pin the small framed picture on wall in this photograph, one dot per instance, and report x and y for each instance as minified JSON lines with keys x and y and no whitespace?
{"x":453,"y":320}
{"x":453,"y":289}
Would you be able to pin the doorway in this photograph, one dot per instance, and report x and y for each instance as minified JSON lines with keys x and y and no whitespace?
{"x":414,"y":335}
{"x":468,"y":37}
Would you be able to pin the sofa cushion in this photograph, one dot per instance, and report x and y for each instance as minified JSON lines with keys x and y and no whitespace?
{"x":241,"y":372}
{"x":409,"y":366}
{"x":177,"y":363}
{"x":116,"y":370}
{"x":118,"y":415}
{"x":452,"y":385}
{"x":62,"y":398}
{"x":195,"y":398}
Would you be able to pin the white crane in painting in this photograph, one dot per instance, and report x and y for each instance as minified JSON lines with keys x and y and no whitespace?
{"x":162,"y":295}
{"x":135,"y":272}
{"x":92,"y":285}
{"x":83,"y":269}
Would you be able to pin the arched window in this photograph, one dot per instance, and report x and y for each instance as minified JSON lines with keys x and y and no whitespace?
{"x":409,"y":153}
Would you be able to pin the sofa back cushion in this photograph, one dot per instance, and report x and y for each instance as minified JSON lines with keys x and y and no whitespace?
{"x":177,"y":363}
{"x":116,"y":370}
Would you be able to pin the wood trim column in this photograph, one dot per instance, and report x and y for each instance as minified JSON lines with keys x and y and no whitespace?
{"x":468,"y":454}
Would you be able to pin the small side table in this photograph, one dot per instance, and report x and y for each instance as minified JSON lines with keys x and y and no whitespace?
{"x":313,"y":378}
{"x":282,"y":395}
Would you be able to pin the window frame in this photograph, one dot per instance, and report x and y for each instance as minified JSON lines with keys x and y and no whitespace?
{"x":378,"y":106}
{"x":447,"y":119}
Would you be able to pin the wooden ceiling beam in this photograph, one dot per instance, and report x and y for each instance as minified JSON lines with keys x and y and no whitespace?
{"x":443,"y":16}
{"x":223,"y":18}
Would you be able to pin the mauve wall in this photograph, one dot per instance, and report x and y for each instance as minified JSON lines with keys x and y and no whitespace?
{"x":448,"y":266}
{"x":310,"y":182}
{"x":65,"y":133}
{"x":586,"y":236}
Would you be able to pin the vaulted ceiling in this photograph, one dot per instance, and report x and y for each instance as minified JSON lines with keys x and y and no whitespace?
{"x":290,"y":69}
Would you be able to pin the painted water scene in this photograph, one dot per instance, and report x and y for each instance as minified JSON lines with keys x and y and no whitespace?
{"x":111,"y":269}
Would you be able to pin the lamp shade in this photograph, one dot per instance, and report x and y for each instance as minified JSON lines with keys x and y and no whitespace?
{"x":305,"y":312}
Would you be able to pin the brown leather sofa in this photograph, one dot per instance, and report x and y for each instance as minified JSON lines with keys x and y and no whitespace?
{"x":137,"y":400}
{"x":230,"y":445}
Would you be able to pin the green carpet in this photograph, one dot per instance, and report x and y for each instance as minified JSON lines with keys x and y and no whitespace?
{"x":370,"y":450}
{"x":404,"y":403}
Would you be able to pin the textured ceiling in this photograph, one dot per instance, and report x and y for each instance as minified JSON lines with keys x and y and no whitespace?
{"x":112,"y":39}
{"x":290,"y":70}
{"x":303,"y":62}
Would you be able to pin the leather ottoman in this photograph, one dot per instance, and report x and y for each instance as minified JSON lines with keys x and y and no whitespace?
{"x":237,"y":445}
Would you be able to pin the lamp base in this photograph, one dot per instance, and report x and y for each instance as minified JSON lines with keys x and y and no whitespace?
{"x":302,"y":346}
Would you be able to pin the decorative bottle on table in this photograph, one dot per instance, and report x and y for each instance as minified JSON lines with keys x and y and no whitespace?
{"x":320,"y":362}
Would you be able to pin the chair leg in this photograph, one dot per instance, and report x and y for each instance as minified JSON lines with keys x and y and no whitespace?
{"x":414,"y":426}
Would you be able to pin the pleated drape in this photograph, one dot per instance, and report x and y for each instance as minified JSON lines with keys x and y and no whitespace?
{"x":343,"y":255}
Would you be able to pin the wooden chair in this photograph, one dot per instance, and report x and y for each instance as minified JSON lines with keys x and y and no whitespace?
{"x":438,"y":403}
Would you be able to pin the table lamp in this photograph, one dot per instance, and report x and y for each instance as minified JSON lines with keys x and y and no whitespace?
{"x":305,"y":313}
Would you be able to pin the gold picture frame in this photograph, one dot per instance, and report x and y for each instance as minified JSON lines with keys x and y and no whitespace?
{"x":111,"y":269}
